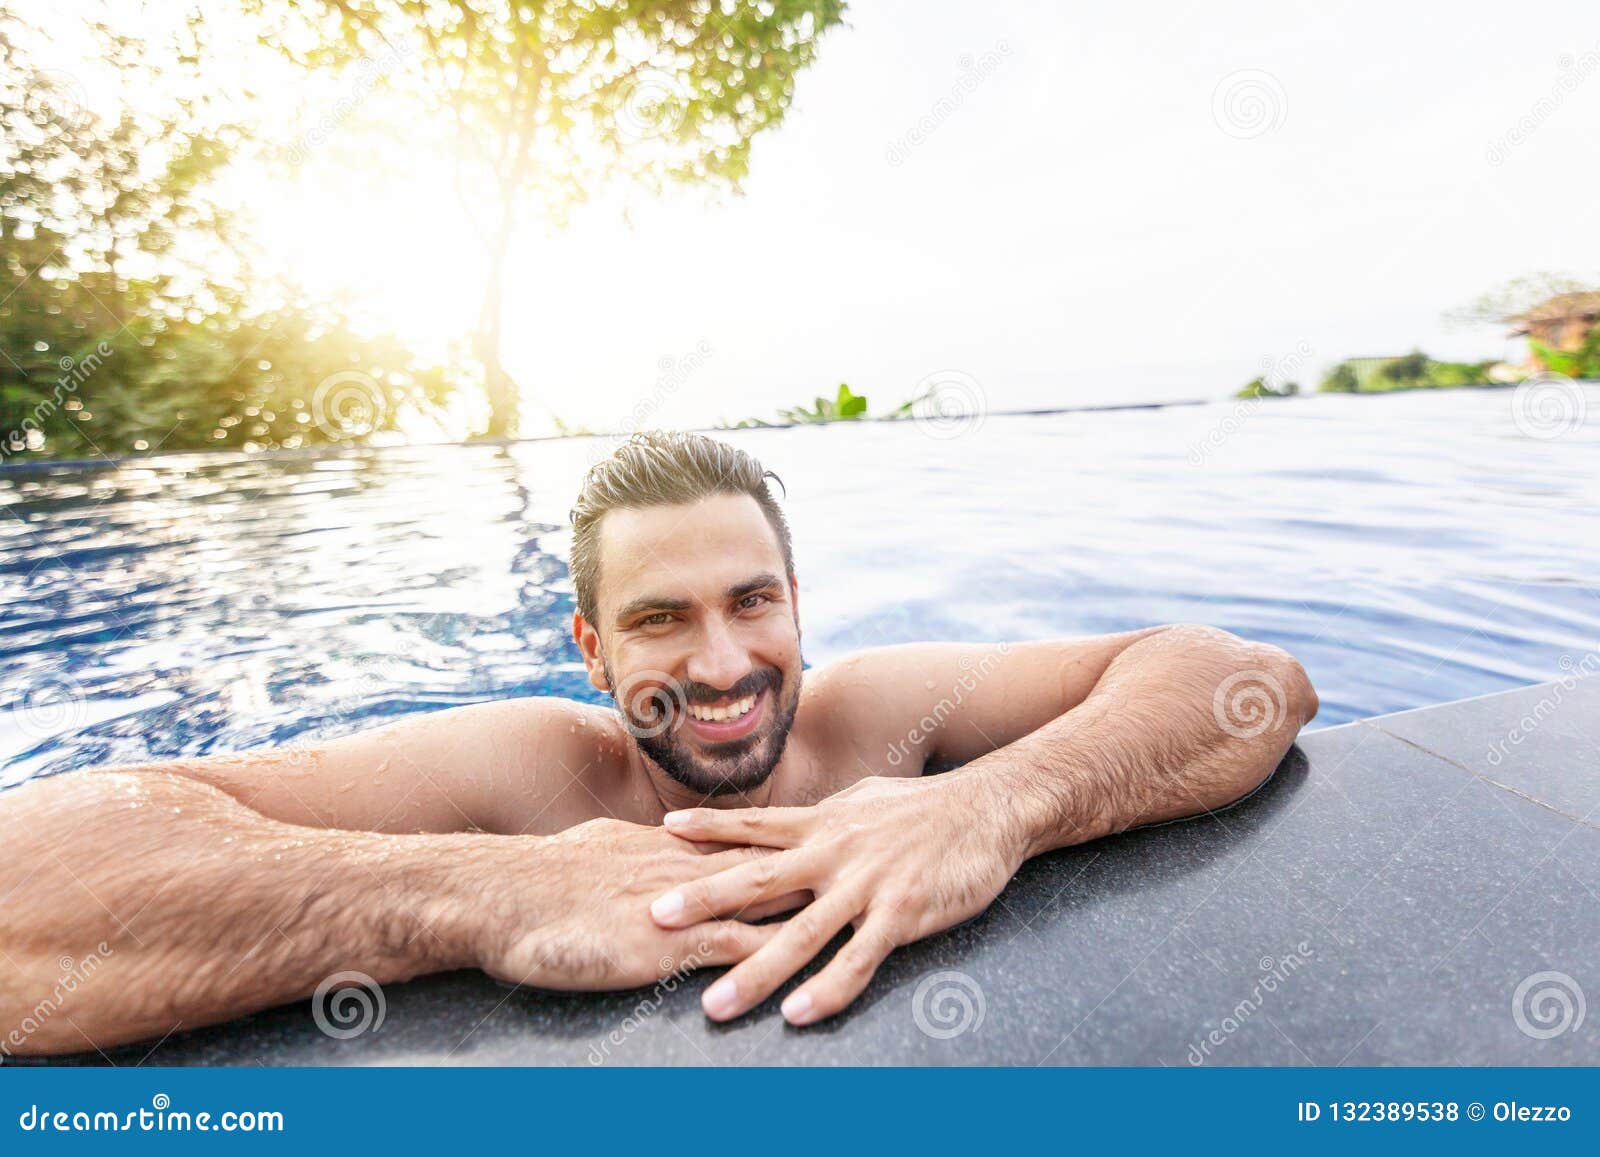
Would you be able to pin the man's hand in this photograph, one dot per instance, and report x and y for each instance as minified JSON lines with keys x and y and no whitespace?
{"x":574,"y":917}
{"x":898,"y":859}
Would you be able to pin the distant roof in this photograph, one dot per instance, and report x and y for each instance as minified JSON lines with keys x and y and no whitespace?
{"x":1581,"y":304}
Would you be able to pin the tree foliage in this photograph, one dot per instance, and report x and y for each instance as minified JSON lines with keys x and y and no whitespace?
{"x":1517,"y":296}
{"x":546,"y":101}
{"x":132,"y":318}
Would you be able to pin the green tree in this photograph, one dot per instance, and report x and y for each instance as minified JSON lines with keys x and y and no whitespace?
{"x":131,"y":317}
{"x":1583,"y":362}
{"x":1261,"y":388}
{"x":1517,"y":296}
{"x":1409,"y":370}
{"x":1340,"y":380}
{"x":546,"y":100}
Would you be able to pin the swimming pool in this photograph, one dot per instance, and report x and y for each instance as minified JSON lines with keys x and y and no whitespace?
{"x":1410,"y":549}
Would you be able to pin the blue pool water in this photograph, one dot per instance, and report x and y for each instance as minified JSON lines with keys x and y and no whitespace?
{"x":1411,"y":549}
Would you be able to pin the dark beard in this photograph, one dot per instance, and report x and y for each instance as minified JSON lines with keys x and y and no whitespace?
{"x":732,"y":768}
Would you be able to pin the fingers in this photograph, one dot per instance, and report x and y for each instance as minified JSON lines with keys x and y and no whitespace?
{"x":845,"y":976}
{"x":764,"y":908}
{"x":730,"y":892}
{"x":719,"y":942}
{"x":773,"y":827}
{"x":798,"y":940}
{"x":709,"y":847}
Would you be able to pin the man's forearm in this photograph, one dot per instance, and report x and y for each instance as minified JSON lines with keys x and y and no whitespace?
{"x":1182,"y":722}
{"x":196,"y":908}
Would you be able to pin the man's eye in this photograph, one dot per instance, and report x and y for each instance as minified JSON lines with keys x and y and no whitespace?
{"x":751,"y":602}
{"x":659,"y":619}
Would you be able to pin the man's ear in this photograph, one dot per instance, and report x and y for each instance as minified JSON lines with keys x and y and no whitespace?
{"x":588,"y":640}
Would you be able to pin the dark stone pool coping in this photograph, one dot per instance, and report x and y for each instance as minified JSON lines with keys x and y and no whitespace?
{"x":1420,"y":888}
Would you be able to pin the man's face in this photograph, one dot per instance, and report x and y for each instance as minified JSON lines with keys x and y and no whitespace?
{"x":698,"y":639}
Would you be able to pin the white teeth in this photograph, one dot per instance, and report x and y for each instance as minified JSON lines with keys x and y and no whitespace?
{"x":725,"y":713}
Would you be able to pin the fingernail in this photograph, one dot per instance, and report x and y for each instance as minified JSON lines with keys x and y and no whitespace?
{"x":668,"y":907}
{"x":797,"y":1009}
{"x":677,"y":819}
{"x":720,"y":997}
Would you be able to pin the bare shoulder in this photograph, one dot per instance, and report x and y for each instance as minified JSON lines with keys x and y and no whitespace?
{"x":855,"y":710}
{"x":557,"y":762}
{"x":912,"y":706}
{"x":492,"y":766}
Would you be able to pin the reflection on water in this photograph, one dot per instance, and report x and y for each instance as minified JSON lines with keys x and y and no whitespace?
{"x":1410,"y":549}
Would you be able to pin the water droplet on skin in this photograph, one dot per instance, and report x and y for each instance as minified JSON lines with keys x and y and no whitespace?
{"x":928,"y":685}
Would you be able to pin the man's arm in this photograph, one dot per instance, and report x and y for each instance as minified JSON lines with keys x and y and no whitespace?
{"x":1176,"y":721}
{"x":198,"y":908}
{"x":483,"y":767}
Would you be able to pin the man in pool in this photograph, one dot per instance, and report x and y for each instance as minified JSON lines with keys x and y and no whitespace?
{"x":568,"y":846}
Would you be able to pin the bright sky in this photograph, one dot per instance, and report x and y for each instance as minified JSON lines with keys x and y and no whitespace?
{"x":1123,"y":208}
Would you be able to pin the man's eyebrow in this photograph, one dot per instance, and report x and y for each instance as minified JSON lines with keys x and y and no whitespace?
{"x":652,"y":603}
{"x":750,"y":586}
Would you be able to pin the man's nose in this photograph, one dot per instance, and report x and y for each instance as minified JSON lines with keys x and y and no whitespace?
{"x":721,"y":660}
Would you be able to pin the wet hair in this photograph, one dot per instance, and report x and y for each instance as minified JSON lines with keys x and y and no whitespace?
{"x":663,"y":468}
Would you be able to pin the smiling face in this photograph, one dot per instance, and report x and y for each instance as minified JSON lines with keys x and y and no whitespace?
{"x":696,"y":636}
